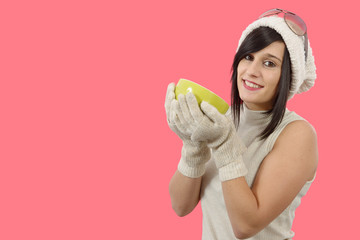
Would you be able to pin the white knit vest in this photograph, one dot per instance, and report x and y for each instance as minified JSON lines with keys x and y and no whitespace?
{"x":216,"y":223}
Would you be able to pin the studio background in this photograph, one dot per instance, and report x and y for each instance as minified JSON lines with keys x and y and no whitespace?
{"x":85,"y":150}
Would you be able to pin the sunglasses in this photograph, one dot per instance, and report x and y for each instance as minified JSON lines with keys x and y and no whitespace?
{"x":294,"y":22}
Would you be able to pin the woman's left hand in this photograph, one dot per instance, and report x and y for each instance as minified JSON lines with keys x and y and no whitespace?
{"x":206,"y":124}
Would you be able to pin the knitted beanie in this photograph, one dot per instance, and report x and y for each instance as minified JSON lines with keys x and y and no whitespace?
{"x":303,"y":74}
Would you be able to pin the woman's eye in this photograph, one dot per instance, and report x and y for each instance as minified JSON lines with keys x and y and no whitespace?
{"x":248,"y":57}
{"x":269,"y":64}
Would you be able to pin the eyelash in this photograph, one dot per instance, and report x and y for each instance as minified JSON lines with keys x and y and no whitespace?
{"x":250,"y":58}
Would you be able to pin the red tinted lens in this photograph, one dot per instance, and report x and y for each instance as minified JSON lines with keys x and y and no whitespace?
{"x":274,"y":11}
{"x":295,"y":23}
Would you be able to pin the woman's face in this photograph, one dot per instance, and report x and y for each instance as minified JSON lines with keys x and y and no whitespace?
{"x":258,"y":75}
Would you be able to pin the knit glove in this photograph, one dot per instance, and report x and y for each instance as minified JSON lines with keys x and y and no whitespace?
{"x":218,"y":130}
{"x":194,"y":154}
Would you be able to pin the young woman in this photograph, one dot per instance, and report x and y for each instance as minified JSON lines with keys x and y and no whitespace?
{"x":250,"y":167}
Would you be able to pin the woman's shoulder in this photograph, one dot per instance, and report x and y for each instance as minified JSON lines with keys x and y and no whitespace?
{"x":292,"y":126}
{"x":299,"y":140}
{"x":294,"y":122}
{"x":299,"y":129}
{"x":295,"y":126}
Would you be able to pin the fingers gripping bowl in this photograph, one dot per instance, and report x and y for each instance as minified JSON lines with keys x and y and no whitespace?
{"x":202,"y":94}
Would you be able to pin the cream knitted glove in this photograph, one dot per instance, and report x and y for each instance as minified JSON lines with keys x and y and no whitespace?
{"x":219,"y":132}
{"x":194,"y":154}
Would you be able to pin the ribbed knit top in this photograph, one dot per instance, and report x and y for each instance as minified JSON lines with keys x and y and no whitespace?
{"x":216,"y":223}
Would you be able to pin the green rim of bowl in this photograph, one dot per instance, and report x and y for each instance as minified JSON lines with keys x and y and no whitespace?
{"x":202,"y":94}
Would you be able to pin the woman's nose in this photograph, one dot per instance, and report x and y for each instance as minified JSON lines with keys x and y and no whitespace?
{"x":253,"y":69}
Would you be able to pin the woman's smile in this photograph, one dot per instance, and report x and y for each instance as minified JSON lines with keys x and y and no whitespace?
{"x":249,"y":85}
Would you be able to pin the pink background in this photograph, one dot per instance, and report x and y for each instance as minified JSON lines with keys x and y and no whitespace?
{"x":85,"y":150}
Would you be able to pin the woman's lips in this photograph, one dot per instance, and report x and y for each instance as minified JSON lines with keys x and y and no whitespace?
{"x":251,"y":85}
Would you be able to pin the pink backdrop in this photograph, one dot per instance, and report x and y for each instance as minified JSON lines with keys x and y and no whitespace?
{"x":85,"y":150}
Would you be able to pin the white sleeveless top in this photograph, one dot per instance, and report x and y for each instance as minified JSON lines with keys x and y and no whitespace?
{"x":216,"y":223}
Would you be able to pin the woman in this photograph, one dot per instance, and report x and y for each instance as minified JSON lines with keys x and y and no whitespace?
{"x":251,"y":167}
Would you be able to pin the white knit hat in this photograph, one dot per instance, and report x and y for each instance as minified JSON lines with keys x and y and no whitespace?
{"x":303,"y":75}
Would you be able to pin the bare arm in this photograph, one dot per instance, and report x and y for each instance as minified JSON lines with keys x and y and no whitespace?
{"x":184,"y":193}
{"x":281,"y":176}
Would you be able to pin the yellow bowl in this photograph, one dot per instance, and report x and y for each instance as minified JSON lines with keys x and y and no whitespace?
{"x":201,"y":93}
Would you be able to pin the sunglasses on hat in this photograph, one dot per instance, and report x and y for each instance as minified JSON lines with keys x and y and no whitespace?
{"x":294,"y":22}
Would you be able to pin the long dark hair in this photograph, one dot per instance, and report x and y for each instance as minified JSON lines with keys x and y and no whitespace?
{"x":259,"y":39}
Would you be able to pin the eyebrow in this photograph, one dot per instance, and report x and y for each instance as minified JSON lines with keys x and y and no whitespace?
{"x":273,"y":56}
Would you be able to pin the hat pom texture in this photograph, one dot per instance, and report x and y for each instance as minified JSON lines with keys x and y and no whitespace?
{"x":303,"y":74}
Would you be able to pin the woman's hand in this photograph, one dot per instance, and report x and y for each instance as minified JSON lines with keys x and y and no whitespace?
{"x":217,"y":130}
{"x":170,"y":104}
{"x":194,"y":154}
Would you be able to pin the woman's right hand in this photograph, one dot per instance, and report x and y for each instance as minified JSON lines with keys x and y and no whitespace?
{"x":194,"y":154}
{"x":170,"y":105}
